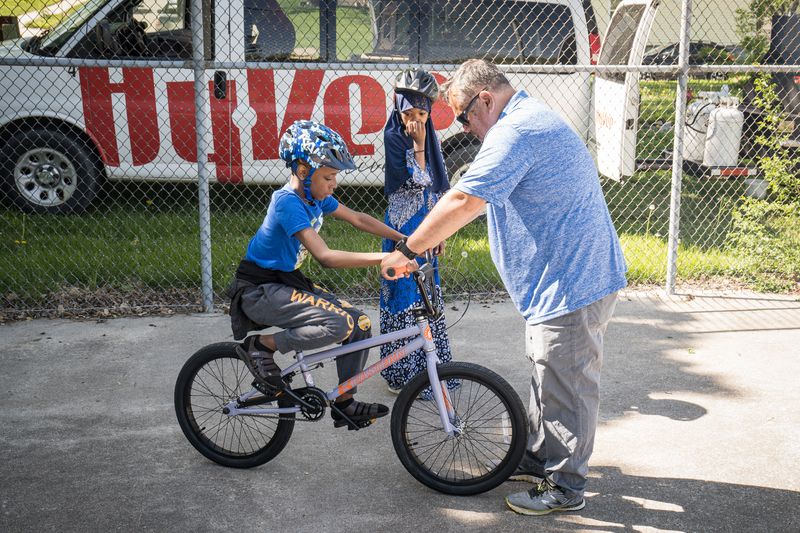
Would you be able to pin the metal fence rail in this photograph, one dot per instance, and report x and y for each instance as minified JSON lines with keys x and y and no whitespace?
{"x":139,"y":155}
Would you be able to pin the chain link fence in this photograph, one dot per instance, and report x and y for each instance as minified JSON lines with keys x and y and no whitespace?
{"x":118,"y":198}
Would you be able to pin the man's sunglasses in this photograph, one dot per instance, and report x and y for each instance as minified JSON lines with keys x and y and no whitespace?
{"x":462,"y":117}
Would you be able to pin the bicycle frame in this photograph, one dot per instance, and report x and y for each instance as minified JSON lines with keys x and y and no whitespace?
{"x":423,"y":339}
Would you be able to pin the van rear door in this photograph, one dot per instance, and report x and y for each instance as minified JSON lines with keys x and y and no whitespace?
{"x":617,"y":93}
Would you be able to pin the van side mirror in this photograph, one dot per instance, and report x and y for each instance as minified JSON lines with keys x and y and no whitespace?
{"x":9,"y":28}
{"x":104,"y":40}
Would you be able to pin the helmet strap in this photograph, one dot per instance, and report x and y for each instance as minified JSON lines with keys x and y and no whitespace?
{"x":306,"y":182}
{"x":307,"y":187}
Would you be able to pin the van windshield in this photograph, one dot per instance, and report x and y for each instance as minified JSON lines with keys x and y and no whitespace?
{"x":51,"y":42}
{"x":498,"y":30}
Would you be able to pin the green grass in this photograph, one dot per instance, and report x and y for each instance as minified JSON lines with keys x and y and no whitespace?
{"x":146,"y":235}
{"x":20,"y":7}
{"x":48,"y":21}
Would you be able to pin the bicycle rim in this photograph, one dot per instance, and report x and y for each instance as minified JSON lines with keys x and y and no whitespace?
{"x":212,"y":378}
{"x":493,"y":436}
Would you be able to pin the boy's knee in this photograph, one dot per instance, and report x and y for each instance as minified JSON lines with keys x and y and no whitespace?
{"x":363,"y":328}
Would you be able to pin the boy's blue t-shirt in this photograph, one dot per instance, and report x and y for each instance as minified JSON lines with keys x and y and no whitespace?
{"x":274,"y":245}
{"x":550,"y":233}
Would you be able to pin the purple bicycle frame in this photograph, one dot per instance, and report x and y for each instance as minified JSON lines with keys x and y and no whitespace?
{"x":423,"y":340}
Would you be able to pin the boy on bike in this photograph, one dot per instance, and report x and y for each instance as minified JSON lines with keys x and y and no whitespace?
{"x":269,"y":288}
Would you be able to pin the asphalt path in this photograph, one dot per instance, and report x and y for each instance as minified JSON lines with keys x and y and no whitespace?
{"x":699,"y":430}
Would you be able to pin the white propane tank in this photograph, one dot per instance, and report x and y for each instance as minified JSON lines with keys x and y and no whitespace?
{"x":694,"y":138}
{"x":724,"y":134}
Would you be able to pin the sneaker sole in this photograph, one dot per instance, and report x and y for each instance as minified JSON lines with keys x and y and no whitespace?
{"x":530,"y":478}
{"x":531,"y":512}
{"x":526,"y":477}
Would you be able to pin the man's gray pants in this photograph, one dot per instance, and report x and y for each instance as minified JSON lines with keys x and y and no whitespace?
{"x":310,"y":320}
{"x":567,"y":353}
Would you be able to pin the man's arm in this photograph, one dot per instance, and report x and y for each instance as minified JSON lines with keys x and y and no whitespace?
{"x":453,"y":211}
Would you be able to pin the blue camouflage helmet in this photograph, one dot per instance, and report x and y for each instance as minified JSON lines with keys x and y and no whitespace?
{"x":317,"y":145}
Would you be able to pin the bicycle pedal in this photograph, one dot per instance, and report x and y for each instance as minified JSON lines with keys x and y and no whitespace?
{"x":361,"y":425}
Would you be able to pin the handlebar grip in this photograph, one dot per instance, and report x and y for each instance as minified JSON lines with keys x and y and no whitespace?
{"x":392,"y":272}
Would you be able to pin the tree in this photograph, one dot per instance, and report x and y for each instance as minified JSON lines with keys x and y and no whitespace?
{"x":754,"y":24}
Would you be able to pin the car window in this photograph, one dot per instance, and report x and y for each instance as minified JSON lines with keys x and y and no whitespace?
{"x":451,"y":32}
{"x":269,"y":33}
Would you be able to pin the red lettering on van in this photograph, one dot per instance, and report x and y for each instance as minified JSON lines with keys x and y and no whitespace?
{"x":441,"y":114}
{"x":227,"y":144}
{"x":140,"y":105}
{"x":604,"y":120}
{"x":261,"y":85}
{"x":373,"y":109}
{"x":305,"y":90}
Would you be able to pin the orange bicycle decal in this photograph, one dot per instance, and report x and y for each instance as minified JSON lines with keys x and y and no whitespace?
{"x":427,"y":333}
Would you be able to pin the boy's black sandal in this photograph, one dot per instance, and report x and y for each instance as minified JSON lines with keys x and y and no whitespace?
{"x":359,"y":412}
{"x":260,"y":363}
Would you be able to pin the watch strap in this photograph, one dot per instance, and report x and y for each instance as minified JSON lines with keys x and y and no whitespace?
{"x":404,"y":249}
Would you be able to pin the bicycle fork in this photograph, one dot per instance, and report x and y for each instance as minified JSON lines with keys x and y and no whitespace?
{"x":451,"y":424}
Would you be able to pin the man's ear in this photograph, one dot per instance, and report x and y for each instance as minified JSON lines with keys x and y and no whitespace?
{"x":490,"y":101}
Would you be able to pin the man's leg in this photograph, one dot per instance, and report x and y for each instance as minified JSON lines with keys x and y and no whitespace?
{"x":567,"y":353}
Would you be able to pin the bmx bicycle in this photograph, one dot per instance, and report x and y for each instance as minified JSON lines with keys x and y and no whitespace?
{"x":468,"y":440}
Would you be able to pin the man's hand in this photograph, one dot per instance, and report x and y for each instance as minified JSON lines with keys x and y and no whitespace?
{"x":438,"y":250}
{"x":397,"y":260}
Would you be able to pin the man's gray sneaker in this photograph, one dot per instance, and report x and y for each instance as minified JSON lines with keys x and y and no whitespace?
{"x":542,"y":499}
{"x":518,"y":475}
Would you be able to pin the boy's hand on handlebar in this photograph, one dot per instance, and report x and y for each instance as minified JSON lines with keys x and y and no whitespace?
{"x":399,"y":264}
{"x":438,"y":250}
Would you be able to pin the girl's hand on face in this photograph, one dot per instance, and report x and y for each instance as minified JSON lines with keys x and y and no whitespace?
{"x":416,"y":130}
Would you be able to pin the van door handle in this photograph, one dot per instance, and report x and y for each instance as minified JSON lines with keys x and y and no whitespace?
{"x":220,"y":85}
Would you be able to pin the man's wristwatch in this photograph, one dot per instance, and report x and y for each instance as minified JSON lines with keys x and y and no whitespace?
{"x":404,"y":249}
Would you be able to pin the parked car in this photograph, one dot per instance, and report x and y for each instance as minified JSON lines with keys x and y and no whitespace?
{"x":65,"y":129}
{"x":700,"y":53}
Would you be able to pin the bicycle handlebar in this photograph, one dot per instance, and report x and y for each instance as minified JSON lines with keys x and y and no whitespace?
{"x":392,"y":272}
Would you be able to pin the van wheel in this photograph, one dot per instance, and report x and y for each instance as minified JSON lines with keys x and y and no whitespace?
{"x":49,"y":172}
{"x":459,"y":160}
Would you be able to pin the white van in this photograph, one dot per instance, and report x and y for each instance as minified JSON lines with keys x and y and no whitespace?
{"x":64,"y":129}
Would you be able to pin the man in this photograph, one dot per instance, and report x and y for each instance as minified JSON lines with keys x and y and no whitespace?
{"x":556,"y":249}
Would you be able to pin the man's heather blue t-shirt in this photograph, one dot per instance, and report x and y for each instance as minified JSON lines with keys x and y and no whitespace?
{"x":274,"y":245}
{"x":550,"y":232}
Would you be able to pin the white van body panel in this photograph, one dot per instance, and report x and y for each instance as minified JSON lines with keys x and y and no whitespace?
{"x":617,"y":95}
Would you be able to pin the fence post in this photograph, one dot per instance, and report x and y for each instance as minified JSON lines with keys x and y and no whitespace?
{"x":677,"y":152}
{"x":204,"y":207}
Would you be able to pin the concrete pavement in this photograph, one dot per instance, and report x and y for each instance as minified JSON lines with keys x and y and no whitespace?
{"x":699,"y":430}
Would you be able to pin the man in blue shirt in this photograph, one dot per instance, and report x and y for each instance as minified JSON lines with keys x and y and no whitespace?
{"x":556,"y":249}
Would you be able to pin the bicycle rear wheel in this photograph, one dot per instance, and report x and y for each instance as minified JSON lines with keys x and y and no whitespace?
{"x":494,"y":429}
{"x":209,"y":380}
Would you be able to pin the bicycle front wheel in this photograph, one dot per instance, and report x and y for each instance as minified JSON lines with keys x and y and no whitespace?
{"x":210,"y":379}
{"x":490,"y":417}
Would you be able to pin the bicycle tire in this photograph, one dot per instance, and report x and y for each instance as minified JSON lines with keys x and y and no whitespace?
{"x":213,"y":377}
{"x":494,"y":425}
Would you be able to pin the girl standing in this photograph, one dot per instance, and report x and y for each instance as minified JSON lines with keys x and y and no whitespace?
{"x":415,"y":179}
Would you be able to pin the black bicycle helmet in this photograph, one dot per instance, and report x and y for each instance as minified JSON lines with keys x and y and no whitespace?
{"x":419,"y":81}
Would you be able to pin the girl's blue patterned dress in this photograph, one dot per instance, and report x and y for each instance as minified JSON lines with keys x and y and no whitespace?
{"x":408,"y":206}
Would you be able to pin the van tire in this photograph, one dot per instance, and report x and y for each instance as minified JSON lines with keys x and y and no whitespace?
{"x":459,"y":160}
{"x":49,"y":172}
